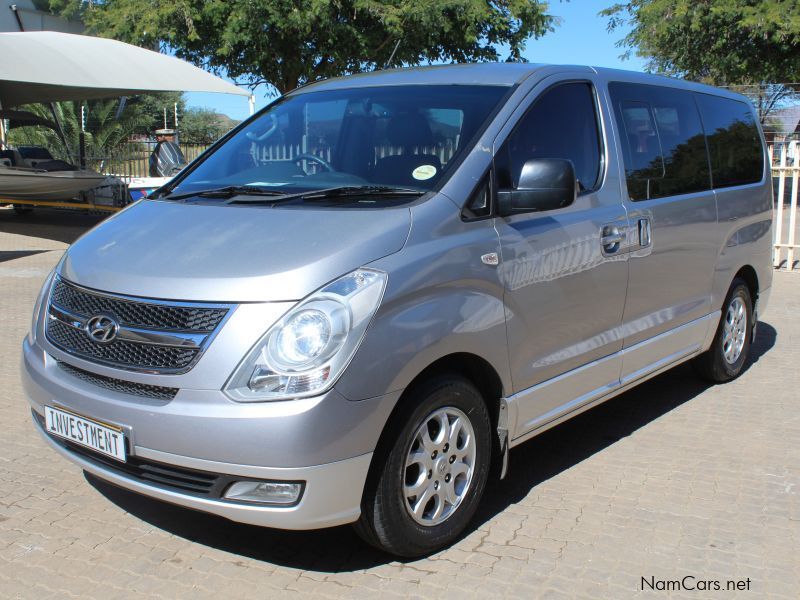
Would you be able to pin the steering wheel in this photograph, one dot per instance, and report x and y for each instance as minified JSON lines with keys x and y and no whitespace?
{"x":312,"y":157}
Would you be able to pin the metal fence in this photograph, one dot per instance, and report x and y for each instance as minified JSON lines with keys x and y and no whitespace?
{"x":132,"y":159}
{"x":785,"y":161}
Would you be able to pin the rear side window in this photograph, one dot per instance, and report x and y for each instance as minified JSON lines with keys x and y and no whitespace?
{"x":562,"y":123}
{"x":734,"y":143}
{"x":664,"y":149}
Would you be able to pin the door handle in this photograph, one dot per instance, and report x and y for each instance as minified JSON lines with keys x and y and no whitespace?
{"x":611,"y":238}
{"x":645,"y":238}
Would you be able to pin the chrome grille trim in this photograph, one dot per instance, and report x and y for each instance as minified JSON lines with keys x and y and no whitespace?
{"x":131,"y":334}
{"x":141,"y":313}
{"x":157,"y":392}
{"x":185,"y":330}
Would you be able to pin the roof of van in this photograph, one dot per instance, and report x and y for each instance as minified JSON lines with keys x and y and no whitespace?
{"x":465,"y":74}
{"x":507,"y":74}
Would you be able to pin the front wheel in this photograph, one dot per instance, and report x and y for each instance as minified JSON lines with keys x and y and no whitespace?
{"x":429,"y":475}
{"x":729,"y":350}
{"x":23,"y":209}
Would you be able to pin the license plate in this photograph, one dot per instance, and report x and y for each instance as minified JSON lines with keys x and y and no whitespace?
{"x":100,"y":437}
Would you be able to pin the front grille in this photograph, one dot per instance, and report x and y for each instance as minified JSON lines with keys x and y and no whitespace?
{"x":156,"y":392}
{"x":150,"y":336}
{"x":119,"y":353}
{"x":188,"y":481}
{"x":163,"y":317}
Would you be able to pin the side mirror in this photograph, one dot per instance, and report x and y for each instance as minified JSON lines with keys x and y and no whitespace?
{"x":544,"y":184}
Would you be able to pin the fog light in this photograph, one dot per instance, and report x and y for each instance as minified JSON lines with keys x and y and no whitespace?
{"x":265,"y":492}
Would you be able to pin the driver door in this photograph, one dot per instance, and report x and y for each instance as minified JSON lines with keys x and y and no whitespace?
{"x":565,"y":283}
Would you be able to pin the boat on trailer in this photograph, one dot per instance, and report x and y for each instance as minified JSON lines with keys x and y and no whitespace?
{"x":36,"y":175}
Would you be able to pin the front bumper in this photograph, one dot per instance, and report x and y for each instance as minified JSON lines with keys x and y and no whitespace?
{"x":325,"y":442}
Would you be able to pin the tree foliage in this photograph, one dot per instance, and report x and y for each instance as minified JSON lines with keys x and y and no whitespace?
{"x":286,"y":43}
{"x":153,"y":107}
{"x":203,"y":126}
{"x":718,"y":41}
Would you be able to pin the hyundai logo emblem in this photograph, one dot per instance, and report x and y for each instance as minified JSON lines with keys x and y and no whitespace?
{"x":102,"y":329}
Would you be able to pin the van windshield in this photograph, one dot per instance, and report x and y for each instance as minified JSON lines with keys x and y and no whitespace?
{"x":394,"y":136}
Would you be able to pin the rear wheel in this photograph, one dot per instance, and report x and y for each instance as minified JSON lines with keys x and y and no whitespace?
{"x":429,"y":476}
{"x":729,"y":351}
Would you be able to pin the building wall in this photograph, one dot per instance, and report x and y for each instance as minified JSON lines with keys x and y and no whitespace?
{"x":33,"y":19}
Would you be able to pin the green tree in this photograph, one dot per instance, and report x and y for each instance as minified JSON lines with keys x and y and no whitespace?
{"x":724,"y":42}
{"x":286,"y":43}
{"x":203,"y":126}
{"x":153,"y":107}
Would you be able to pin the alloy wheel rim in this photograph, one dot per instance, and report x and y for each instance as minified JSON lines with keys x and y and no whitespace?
{"x":439,"y":466}
{"x":734,"y":330}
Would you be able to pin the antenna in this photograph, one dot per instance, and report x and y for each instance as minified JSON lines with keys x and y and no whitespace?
{"x":397,"y":45}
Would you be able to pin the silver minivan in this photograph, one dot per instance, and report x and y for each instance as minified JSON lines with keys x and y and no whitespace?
{"x":351,"y":307}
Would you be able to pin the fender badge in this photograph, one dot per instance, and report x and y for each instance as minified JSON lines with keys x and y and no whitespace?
{"x":491,"y":259}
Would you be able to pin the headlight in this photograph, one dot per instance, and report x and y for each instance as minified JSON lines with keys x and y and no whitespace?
{"x":37,"y":307}
{"x":303,"y":353}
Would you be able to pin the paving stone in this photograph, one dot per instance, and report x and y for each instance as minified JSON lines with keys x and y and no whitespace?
{"x":673,"y":478}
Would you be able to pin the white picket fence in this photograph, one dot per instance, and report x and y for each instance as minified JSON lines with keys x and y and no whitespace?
{"x":785,"y":161}
{"x":262,"y":153}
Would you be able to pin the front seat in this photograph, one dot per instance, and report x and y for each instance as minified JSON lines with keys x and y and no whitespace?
{"x":12,"y":158}
{"x":412,"y":133}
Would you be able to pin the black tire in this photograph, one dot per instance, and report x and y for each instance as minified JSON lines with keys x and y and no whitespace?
{"x":386,"y":522}
{"x":712,"y":364}
{"x":23,"y":209}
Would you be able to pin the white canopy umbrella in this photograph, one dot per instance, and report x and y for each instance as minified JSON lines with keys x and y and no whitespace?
{"x":47,"y":66}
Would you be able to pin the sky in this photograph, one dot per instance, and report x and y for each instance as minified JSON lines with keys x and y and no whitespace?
{"x":581,"y":39}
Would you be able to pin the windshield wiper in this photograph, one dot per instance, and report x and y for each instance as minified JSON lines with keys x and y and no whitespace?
{"x":344,"y":191}
{"x":227,"y":192}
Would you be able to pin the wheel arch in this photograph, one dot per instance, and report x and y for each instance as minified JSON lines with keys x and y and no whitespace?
{"x":748,"y":274}
{"x":475,"y":369}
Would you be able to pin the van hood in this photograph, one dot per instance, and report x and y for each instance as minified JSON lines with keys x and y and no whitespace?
{"x":209,"y":253}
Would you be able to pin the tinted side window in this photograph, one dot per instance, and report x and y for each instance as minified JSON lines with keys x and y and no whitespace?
{"x":664,"y":149}
{"x":562,"y":123}
{"x":734,"y":144}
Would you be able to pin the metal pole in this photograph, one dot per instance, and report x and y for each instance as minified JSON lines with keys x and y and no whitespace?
{"x":15,"y":10}
{"x":776,"y":261}
{"x":3,"y":133}
{"x":252,"y":102}
{"x":793,"y":208}
{"x":121,"y":108}
{"x":3,"y":142}
{"x":165,"y":117}
{"x":175,"y":107}
{"x":60,"y":130}
{"x":82,"y":139}
{"x":396,"y":46}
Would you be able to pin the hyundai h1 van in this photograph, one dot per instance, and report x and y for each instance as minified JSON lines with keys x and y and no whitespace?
{"x":351,"y":307}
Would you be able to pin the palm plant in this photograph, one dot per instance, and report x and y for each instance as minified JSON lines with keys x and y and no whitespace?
{"x":105,"y":134}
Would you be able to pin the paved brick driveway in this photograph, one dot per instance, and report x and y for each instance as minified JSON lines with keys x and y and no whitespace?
{"x":669,"y":480}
